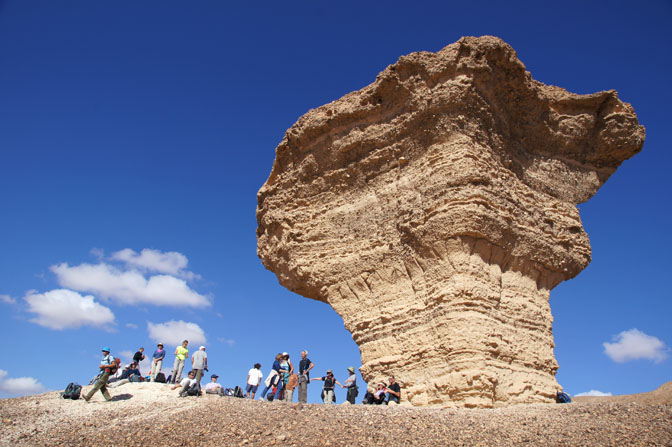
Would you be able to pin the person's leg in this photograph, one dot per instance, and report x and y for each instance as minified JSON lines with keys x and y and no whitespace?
{"x":329,"y":397}
{"x":277,"y":393}
{"x":289,"y":395}
{"x":180,"y":367}
{"x":351,"y":395}
{"x":183,"y":391}
{"x":199,"y":375}
{"x":263,"y":393}
{"x":92,"y":391}
{"x":254,"y":390}
{"x":176,"y":364}
{"x":303,"y":389}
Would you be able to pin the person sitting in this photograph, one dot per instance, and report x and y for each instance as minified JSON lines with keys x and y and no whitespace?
{"x":393,"y":392}
{"x":379,"y":394}
{"x":189,"y":386}
{"x":131,"y":370}
{"x":213,"y":387}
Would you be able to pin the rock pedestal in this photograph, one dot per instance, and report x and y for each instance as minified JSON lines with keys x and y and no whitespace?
{"x":435,"y":209}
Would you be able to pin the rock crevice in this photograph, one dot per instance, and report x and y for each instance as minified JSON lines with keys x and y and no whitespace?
{"x":435,"y":209}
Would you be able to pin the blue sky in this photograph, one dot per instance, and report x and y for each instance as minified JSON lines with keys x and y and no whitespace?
{"x":151,"y":126}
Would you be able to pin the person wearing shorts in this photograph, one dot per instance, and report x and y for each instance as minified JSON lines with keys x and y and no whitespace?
{"x":254,"y":377}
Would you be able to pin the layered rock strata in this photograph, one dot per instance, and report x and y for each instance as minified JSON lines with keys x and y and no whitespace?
{"x":435,"y":209}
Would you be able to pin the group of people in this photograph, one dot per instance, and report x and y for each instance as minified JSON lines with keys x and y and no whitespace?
{"x":282,"y":379}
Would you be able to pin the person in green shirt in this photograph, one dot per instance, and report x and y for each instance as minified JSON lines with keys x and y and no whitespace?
{"x":181,"y":355}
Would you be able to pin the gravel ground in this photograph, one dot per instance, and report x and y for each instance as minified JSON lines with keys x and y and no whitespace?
{"x":143,"y":414}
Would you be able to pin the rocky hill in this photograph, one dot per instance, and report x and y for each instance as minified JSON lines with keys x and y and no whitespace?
{"x":151,"y":414}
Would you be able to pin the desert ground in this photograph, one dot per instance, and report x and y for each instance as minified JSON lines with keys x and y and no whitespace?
{"x":152,"y":414}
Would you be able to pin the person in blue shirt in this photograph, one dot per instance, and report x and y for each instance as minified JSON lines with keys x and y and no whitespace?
{"x":157,"y":361}
{"x":107,"y":366}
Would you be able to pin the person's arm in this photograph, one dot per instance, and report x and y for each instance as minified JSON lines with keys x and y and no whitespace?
{"x":309,"y":368}
{"x":316,"y":378}
{"x":291,"y":367}
{"x":248,"y":379}
{"x":205,"y":362}
{"x":177,"y":349}
{"x":192,"y":362}
{"x":339,"y":384}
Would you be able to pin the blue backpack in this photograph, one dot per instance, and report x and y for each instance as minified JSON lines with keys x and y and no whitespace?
{"x":562,"y":398}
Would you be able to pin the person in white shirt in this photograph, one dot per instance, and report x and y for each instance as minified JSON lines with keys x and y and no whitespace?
{"x":186,"y":384}
{"x":254,"y":377}
{"x":213,"y":387}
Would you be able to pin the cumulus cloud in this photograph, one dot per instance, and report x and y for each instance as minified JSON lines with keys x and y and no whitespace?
{"x":66,"y":309}
{"x":131,"y":326}
{"x":172,"y":333}
{"x":128,"y":287}
{"x":171,"y":263}
{"x":593,"y":393}
{"x":635,"y":345}
{"x":7,"y":299}
{"x":20,"y":386}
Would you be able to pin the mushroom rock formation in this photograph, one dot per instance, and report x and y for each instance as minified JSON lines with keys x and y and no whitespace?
{"x":435,"y":209}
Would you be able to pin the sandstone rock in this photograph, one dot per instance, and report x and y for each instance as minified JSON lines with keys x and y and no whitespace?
{"x":435,"y":209}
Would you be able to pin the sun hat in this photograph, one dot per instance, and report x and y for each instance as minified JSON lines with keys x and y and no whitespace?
{"x":159,"y":344}
{"x":351,"y":369}
{"x":329,"y":371}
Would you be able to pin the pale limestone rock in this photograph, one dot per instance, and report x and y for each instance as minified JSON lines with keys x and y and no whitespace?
{"x":435,"y":209}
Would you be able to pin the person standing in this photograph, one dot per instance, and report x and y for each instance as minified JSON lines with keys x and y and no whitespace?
{"x":157,"y":361}
{"x":351,"y":384}
{"x":107,"y":366}
{"x":181,"y":354}
{"x":393,"y":392}
{"x":139,"y":356}
{"x":199,"y":362}
{"x":274,"y":378}
{"x":287,"y":369}
{"x":254,"y":377}
{"x":305,"y":365}
{"x":329,"y":382}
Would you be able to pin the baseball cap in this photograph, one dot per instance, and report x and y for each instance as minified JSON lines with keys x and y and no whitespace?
{"x":214,"y":376}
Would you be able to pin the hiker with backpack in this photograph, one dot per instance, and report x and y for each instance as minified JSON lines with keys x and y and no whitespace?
{"x":107,"y":366}
{"x":351,"y":384}
{"x":181,"y":354}
{"x":305,"y":365}
{"x":157,"y":361}
{"x":328,"y":390}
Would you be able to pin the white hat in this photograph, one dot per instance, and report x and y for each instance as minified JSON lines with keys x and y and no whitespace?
{"x":202,"y":347}
{"x":284,"y":353}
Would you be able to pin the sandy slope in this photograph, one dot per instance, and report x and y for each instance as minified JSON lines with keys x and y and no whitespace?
{"x":143,"y":414}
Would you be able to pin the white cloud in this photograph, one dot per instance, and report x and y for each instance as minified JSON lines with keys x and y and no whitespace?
{"x":20,"y":386}
{"x":131,"y":325}
{"x":634,"y":345}
{"x":64,"y":309}
{"x":128,"y":287}
{"x":97,"y":253}
{"x":593,"y":393}
{"x":227,"y":341}
{"x":172,"y":333}
{"x":7,"y":299}
{"x":172,"y":262}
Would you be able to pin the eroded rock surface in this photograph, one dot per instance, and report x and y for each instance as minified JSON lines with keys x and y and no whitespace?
{"x":435,"y":209}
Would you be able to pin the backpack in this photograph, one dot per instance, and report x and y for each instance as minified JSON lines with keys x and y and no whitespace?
{"x":238,"y":392}
{"x":562,"y":398}
{"x":160,"y":377}
{"x":228,"y":392}
{"x":114,"y":367}
{"x":72,"y":391}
